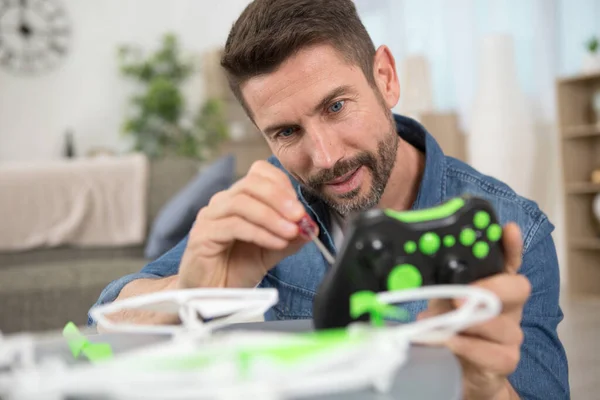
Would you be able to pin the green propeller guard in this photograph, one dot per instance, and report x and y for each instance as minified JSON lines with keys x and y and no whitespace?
{"x":365,"y":301}
{"x":79,"y":345}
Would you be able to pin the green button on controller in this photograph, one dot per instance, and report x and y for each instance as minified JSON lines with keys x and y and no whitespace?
{"x":494,"y":232}
{"x":481,"y":250}
{"x":429,"y":243}
{"x":449,"y":241}
{"x":481,"y":220}
{"x":467,"y":237}
{"x":410,"y":247}
{"x":404,"y":276}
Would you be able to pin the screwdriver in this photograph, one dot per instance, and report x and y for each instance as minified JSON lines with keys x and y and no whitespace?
{"x":308,"y":229}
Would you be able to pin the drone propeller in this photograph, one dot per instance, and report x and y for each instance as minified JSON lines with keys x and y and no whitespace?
{"x":199,"y":310}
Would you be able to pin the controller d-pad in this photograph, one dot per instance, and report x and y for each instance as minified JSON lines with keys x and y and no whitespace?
{"x":429,"y":243}
{"x":404,"y":276}
{"x":481,"y":220}
{"x":375,"y":254}
{"x":467,"y":237}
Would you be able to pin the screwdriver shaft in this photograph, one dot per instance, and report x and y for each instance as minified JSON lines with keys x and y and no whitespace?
{"x":328,"y":256}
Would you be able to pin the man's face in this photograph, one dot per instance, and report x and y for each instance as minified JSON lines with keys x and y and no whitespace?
{"x":327,"y":126}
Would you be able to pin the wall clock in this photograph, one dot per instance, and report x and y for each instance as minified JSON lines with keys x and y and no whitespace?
{"x":34,"y":35}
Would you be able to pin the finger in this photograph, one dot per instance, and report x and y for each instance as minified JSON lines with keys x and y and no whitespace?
{"x":232,"y":228}
{"x":271,"y":258}
{"x":513,"y":247}
{"x":253,"y":211}
{"x":485,"y":355}
{"x":274,"y":174}
{"x":268,"y":192}
{"x":512,"y":290}
{"x":502,"y":330}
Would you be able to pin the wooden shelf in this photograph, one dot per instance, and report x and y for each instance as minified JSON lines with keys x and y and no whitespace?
{"x":583,"y":188}
{"x":585,"y":243}
{"x":581,"y":131}
{"x":583,"y":78}
{"x":580,"y":149}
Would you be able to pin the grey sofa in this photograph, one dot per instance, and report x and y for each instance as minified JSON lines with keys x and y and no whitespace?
{"x":46,"y":288}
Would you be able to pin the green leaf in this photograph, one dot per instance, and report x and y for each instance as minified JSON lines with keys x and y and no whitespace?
{"x":592,"y":44}
{"x":158,"y":110}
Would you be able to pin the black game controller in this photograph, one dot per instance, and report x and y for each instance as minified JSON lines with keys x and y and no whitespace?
{"x":457,"y":242}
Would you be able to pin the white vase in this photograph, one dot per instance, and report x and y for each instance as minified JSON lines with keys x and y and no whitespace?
{"x":591,"y":63}
{"x":502,"y":137}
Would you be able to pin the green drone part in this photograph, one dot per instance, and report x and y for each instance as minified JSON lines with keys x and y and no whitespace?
{"x":80,"y":345}
{"x":365,"y":301}
{"x":311,"y":344}
{"x":442,"y":211}
{"x":306,"y":346}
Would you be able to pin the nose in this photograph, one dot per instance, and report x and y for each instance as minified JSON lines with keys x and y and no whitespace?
{"x":324,"y":147}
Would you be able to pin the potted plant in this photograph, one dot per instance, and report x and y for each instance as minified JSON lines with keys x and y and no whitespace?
{"x":158,"y":121}
{"x":591,"y":60}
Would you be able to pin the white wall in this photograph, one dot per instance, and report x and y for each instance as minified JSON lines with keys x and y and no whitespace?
{"x":87,"y":93}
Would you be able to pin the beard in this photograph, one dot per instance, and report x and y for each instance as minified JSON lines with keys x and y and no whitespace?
{"x":379,"y":165}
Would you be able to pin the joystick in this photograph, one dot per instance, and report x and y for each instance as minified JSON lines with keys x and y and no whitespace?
{"x":456,"y":242}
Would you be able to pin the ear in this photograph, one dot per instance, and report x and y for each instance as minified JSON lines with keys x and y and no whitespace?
{"x":386,"y":77}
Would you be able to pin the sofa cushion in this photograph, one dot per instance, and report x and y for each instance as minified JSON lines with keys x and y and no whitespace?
{"x":44,"y":297}
{"x":176,"y":218}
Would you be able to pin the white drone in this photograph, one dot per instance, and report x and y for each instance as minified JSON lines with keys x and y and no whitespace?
{"x":200,"y":362}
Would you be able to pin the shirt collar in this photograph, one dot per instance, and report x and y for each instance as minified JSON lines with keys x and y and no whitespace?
{"x":433,"y":182}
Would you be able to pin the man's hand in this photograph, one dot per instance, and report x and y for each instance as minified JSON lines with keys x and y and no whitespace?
{"x":490,"y":352}
{"x":243,"y":232}
{"x":237,"y":238}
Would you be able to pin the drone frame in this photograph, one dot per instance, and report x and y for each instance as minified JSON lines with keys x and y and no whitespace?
{"x":200,"y":362}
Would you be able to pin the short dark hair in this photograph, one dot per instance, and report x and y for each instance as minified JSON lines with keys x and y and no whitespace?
{"x":270,"y":31}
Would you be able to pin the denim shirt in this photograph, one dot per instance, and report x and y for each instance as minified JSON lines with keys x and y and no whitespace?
{"x":542,"y":372}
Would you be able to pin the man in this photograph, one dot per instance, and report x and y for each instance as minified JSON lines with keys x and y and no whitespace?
{"x":310,"y":78}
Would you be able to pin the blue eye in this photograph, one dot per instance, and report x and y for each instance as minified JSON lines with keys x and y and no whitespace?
{"x":286,"y":132}
{"x":337,"y":106}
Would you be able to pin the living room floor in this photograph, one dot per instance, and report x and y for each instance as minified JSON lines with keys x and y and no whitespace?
{"x":579,"y":332}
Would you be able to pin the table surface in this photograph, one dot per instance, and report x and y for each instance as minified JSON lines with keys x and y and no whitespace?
{"x":430,"y":373}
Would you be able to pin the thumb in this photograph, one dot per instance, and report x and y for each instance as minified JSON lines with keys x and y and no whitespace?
{"x":513,"y":248}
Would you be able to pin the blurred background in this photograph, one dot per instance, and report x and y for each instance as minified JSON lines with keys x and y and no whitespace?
{"x":116,"y":126}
